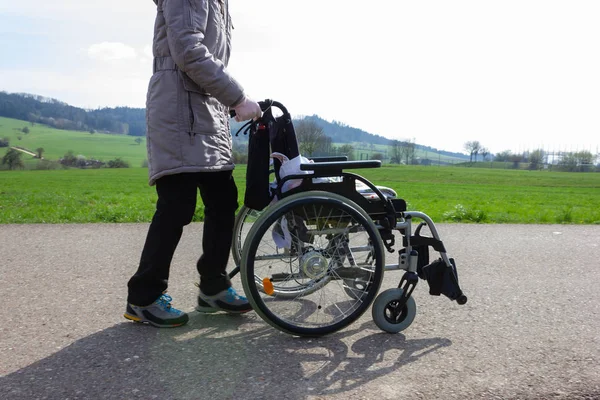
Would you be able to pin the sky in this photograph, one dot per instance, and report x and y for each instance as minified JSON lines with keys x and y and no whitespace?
{"x":513,"y":75}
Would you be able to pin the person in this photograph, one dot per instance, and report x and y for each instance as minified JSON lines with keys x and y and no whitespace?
{"x":190,"y":148}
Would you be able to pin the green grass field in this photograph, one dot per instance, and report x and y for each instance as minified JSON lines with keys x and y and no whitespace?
{"x":56,"y":142}
{"x":447,"y":194}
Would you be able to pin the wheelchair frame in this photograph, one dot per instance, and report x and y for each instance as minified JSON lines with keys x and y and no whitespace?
{"x":394,"y":309}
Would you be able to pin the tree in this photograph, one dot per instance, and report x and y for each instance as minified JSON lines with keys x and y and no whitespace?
{"x":40,"y":151}
{"x":5,"y":142}
{"x":118,"y":163}
{"x":138,"y":140}
{"x":68,"y":159}
{"x":310,"y":137}
{"x":396,"y":152}
{"x":403,"y":151}
{"x":516,"y":159}
{"x":408,"y":151}
{"x":576,"y":162}
{"x":25,"y":130}
{"x":348,"y":151}
{"x":32,"y":118}
{"x":536,"y":158}
{"x":503,"y":156}
{"x":377,"y":156}
{"x":584,"y":157}
{"x":12,"y":158}
{"x":326,"y":147}
{"x":473,"y":147}
{"x":484,"y":152}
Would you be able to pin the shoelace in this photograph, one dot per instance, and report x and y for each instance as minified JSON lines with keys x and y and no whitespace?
{"x":233,"y":296}
{"x":165,"y":301}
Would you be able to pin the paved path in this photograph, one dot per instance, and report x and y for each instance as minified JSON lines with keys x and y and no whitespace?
{"x":531,"y":329}
{"x":31,"y":153}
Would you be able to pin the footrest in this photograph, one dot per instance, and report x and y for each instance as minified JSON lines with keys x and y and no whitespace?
{"x":443,"y":279}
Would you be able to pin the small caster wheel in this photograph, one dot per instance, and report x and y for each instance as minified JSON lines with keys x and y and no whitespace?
{"x":386,"y":314}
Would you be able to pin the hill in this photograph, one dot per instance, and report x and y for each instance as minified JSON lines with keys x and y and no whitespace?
{"x":57,"y":142}
{"x":126,"y":121}
{"x":342,"y":133}
{"x":60,"y":115}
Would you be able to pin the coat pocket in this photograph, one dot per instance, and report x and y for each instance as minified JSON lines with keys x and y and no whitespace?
{"x":205,"y":113}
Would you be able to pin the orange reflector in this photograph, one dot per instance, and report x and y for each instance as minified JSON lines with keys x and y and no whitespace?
{"x":268,"y":286}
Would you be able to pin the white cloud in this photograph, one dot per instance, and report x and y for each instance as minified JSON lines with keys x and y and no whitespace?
{"x":107,"y":51}
{"x":148,"y":51}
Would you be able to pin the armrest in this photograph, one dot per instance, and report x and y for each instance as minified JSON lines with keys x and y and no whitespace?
{"x":329,"y":159}
{"x":339,"y":165}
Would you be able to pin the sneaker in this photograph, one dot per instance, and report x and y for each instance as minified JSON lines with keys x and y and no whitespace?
{"x":160,"y":313}
{"x":204,"y":307}
{"x":227,"y":300}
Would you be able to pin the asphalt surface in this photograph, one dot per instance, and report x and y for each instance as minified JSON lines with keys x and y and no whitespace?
{"x":531,"y":328}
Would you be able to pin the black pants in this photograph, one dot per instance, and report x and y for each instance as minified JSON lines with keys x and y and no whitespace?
{"x":174,"y":209}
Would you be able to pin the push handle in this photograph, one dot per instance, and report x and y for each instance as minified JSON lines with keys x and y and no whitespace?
{"x":264,"y":106}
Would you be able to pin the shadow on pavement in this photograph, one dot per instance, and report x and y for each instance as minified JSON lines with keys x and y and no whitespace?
{"x":214,"y":357}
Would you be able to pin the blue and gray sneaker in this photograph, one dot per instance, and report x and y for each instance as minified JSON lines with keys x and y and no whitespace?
{"x":160,"y":313}
{"x":227,"y":300}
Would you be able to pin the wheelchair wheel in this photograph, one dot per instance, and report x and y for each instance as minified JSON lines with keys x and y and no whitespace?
{"x":243,"y":222}
{"x":245,"y":218}
{"x":356,"y":288}
{"x":387,"y":315}
{"x":299,"y":253}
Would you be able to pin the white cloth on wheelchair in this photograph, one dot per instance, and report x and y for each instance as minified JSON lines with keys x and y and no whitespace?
{"x":281,"y":234}
{"x":291,"y":167}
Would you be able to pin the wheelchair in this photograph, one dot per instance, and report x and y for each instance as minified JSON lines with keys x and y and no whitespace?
{"x":312,"y":261}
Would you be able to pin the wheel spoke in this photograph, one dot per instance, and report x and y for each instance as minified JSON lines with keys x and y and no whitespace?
{"x":310,"y":290}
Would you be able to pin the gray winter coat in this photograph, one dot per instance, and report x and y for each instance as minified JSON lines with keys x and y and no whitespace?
{"x":190,"y":91}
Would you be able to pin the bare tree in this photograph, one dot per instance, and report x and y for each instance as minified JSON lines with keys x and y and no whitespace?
{"x":484,"y":153}
{"x":310,"y":136}
{"x":473,"y":147}
{"x":403,"y":151}
{"x":396,"y":157}
{"x":408,"y":151}
{"x":348,"y":151}
{"x":326,"y":147}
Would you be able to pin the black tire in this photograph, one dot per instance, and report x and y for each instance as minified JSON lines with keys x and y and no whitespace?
{"x":386,"y":315}
{"x":243,"y":223}
{"x":322,"y":307}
